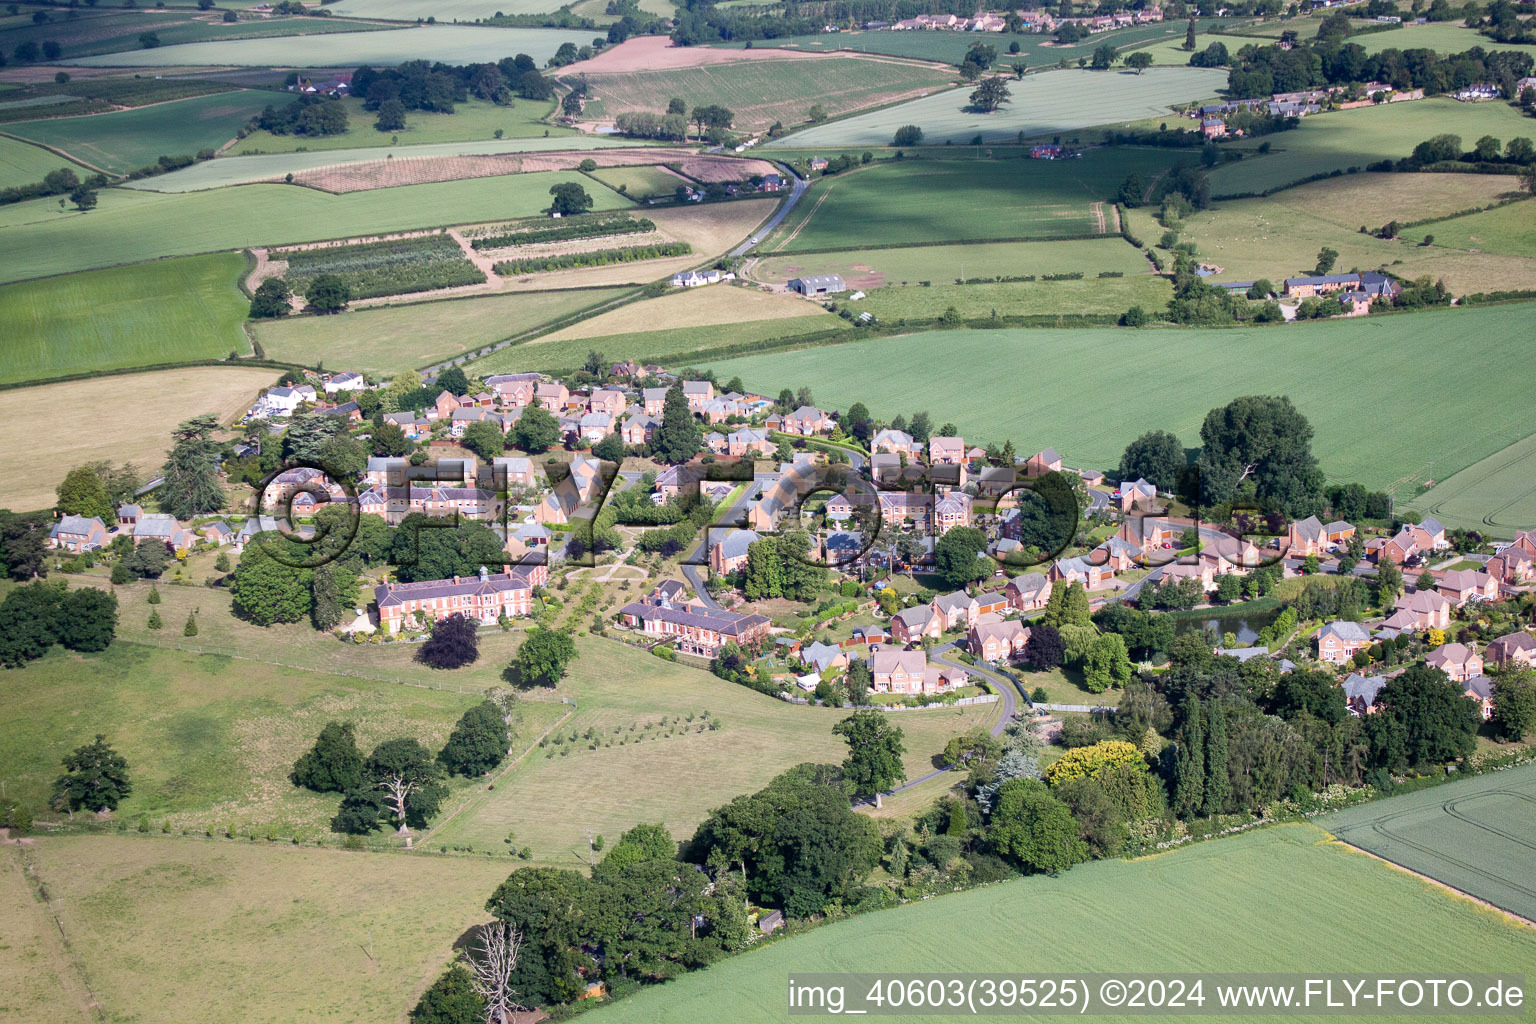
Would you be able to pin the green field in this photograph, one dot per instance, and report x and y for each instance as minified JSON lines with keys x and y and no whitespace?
{"x":945,"y":264}
{"x":451,"y":44}
{"x":1050,"y":102}
{"x":666,"y":345}
{"x":23,"y":164}
{"x":1281,"y":899}
{"x":1475,"y":835}
{"x":472,"y":121}
{"x":1191,"y":371}
{"x":1510,"y":231}
{"x":1495,"y":495}
{"x":154,"y":925}
{"x":126,"y":140}
{"x":1035,"y":49}
{"x":442,"y":10}
{"x":141,"y":315}
{"x":387,"y":339}
{"x":944,"y":199}
{"x":205,"y":752}
{"x":129,"y":225}
{"x":1106,"y":297}
{"x":1280,"y":235}
{"x":641,"y":181}
{"x":1356,"y":138}
{"x":1444,"y":37}
{"x":103,"y":31}
{"x":243,"y":170}
{"x":760,"y":92}
{"x":633,"y":775}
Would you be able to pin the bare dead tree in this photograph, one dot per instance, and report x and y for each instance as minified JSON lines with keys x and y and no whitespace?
{"x":491,"y":968}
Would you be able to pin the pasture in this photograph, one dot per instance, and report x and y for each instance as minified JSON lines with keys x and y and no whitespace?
{"x":1355,"y":138}
{"x":138,"y":315}
{"x":126,"y":140}
{"x":1474,"y":834}
{"x":1035,"y":49}
{"x":23,"y":164}
{"x":115,"y":31}
{"x":203,"y":755}
{"x":641,"y":181}
{"x":633,"y":774}
{"x":451,"y":44}
{"x":675,"y":346}
{"x":1495,"y":495}
{"x":1280,"y":235}
{"x":760,"y":92}
{"x":947,"y":264}
{"x":387,"y":339}
{"x":1191,"y":371}
{"x":471,"y":121}
{"x":1286,"y":887}
{"x":1051,"y":102}
{"x":956,"y":199}
{"x":45,"y":436}
{"x":693,"y":307}
{"x":1444,"y":37}
{"x":155,"y":924}
{"x":1109,"y":296}
{"x":442,"y":10}
{"x":244,"y":170}
{"x":1510,"y":232}
{"x":130,"y":226}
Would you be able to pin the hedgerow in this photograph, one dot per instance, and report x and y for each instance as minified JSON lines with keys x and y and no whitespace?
{"x":594,"y":258}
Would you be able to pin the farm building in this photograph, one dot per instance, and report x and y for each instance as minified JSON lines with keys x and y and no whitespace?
{"x":821,"y":284}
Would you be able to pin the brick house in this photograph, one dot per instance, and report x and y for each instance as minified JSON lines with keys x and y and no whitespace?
{"x":806,"y":421}
{"x":1338,"y":641}
{"x":946,"y":451}
{"x":1028,"y":592}
{"x":1423,"y":609}
{"x":912,"y":624}
{"x":1481,"y":689}
{"x":1512,"y":650}
{"x":1137,"y":495}
{"x":701,"y":631}
{"x":896,"y":442}
{"x":729,"y":552}
{"x":78,"y":533}
{"x":994,"y":639}
{"x":1458,"y":661}
{"x":1360,"y":692}
{"x":484,"y":597}
{"x":897,"y":671}
{"x":1080,"y":570}
{"x":1047,"y":461}
{"x":1462,"y":585}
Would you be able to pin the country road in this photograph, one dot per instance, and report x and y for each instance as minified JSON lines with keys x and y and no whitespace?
{"x":796,"y":190}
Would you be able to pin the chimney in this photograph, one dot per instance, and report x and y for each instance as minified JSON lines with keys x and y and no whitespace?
{"x":485,"y":574}
{"x":455,"y":579}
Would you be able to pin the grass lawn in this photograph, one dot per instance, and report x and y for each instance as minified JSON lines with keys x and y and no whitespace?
{"x":130,"y":226}
{"x":1065,"y":686}
{"x":760,"y":92}
{"x":1473,"y":834}
{"x":904,"y":269}
{"x":1280,"y":235}
{"x":615,"y":786}
{"x":388,"y":339}
{"x":1292,"y":884}
{"x":41,"y":441}
{"x":1495,"y":495}
{"x":126,"y":140}
{"x":944,"y":199}
{"x":1035,"y":410}
{"x":474,"y":120}
{"x":155,"y":925}
{"x":242,"y":170}
{"x":451,"y":44}
{"x":1354,"y":138}
{"x":640,"y":182}
{"x":709,"y":306}
{"x":115,"y":31}
{"x":138,"y":315}
{"x":24,"y":164}
{"x":1053,"y":101}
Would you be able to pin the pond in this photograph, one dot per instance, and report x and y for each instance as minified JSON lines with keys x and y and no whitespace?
{"x":1243,"y":623}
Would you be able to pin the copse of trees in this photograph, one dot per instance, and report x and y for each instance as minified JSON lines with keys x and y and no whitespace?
{"x":307,"y":115}
{"x":39,"y":615}
{"x":1332,"y":60}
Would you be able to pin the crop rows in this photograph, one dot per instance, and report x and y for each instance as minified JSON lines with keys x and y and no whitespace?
{"x":621,"y":225}
{"x":395,"y":267}
{"x":595,"y":258}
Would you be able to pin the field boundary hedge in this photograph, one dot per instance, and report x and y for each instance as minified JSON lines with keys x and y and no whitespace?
{"x":594,"y":258}
{"x":1073,"y":237}
{"x":244,"y":361}
{"x":621,"y":225}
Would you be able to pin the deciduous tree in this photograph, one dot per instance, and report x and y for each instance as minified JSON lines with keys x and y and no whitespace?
{"x":454,"y":643}
{"x":874,"y":753}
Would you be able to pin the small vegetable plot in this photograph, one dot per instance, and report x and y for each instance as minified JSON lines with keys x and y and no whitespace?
{"x":396,"y":267}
